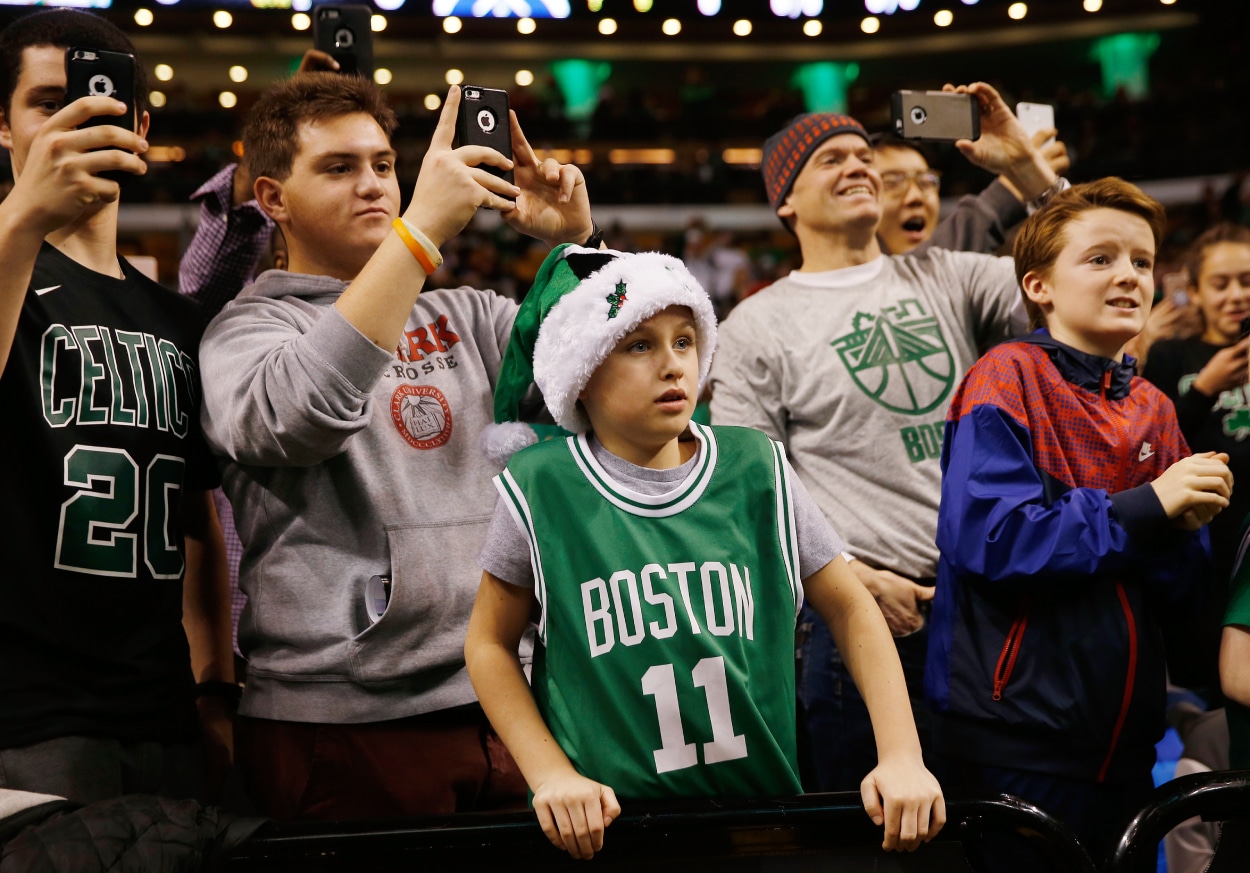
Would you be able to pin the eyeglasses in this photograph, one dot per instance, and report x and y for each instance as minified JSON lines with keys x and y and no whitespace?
{"x":895,"y":182}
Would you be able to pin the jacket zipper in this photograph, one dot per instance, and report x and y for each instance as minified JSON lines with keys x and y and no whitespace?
{"x":1129,"y":680}
{"x":1007,"y":657}
{"x":1122,"y":474}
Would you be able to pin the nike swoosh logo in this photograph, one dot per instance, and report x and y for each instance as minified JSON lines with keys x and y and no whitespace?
{"x":42,"y":291}
{"x":1143,"y":455}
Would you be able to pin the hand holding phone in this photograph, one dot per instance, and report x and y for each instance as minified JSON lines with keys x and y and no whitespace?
{"x":483,"y":120}
{"x":345,"y":33}
{"x":942,"y":116}
{"x":449,"y":189}
{"x":98,"y":73}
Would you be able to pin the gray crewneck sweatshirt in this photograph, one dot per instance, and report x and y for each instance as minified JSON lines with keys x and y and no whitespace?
{"x":853,"y":370}
{"x":344,"y":461}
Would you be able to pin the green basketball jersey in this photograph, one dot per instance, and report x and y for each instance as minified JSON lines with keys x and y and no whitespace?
{"x":666,"y":658}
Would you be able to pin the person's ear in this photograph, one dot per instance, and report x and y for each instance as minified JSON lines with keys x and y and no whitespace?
{"x":785,"y":210}
{"x":1036,"y":287}
{"x":6,"y":135}
{"x":271,"y":197}
{"x":145,"y":121}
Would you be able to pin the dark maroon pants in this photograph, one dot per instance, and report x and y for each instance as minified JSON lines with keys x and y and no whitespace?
{"x":440,"y":762}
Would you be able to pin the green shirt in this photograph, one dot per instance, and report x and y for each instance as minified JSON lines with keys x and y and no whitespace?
{"x":1238,"y":613}
{"x":666,"y":626}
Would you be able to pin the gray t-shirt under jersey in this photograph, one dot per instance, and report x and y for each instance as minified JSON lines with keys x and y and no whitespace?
{"x":506,"y":554}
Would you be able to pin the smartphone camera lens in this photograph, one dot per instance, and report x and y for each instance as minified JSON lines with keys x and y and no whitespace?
{"x":472,"y":94}
{"x":344,"y":38}
{"x":918,"y":115}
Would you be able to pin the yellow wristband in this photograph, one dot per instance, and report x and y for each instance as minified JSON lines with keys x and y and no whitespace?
{"x":419,"y":244}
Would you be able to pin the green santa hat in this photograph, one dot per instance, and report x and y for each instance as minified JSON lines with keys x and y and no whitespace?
{"x":581,"y":304}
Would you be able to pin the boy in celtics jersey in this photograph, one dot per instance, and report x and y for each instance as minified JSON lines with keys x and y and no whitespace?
{"x":668,"y":561}
{"x":115,"y":664}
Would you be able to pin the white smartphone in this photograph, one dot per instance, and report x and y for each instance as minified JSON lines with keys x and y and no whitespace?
{"x":1036,"y":116}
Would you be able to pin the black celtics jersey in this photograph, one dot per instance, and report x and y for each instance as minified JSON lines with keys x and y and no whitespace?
{"x":101,"y":441}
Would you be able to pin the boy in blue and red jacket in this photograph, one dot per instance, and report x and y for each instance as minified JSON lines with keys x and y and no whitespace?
{"x":1070,"y":523}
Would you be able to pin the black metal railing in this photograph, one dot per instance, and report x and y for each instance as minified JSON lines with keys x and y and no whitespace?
{"x":1222,"y":795}
{"x":810,"y":832}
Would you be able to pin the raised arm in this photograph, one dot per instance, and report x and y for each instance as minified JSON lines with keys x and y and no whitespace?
{"x":450,"y":189}
{"x":1005,"y":147}
{"x":553,"y":204}
{"x":57,"y":182}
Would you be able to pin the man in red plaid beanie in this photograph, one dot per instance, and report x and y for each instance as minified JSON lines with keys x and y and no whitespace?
{"x":851,"y":361}
{"x":787,"y":150}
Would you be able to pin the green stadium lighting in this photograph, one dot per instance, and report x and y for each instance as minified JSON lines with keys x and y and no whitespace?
{"x":579,"y":82}
{"x":1125,"y":60}
{"x":824,"y":85}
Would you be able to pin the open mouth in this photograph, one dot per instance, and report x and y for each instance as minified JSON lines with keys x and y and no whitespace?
{"x":1124,"y":303}
{"x":856,"y":190}
{"x":674,"y":395}
{"x":914,"y":225}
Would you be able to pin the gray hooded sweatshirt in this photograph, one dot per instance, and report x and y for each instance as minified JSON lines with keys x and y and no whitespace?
{"x":344,"y":461}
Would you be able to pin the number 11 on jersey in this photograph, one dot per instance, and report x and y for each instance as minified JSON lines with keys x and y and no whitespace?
{"x":675,"y":753}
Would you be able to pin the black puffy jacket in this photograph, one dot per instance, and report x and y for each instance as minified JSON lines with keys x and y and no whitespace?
{"x":134,"y":834}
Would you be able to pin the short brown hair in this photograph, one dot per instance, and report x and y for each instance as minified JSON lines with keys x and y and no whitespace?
{"x":1042,"y":235}
{"x":63,"y":29}
{"x":1224,"y":232}
{"x":269,"y":138}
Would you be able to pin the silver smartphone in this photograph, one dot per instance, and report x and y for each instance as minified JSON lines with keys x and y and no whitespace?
{"x":935,"y":115}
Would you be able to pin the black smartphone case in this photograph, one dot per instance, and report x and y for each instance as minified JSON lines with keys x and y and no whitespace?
{"x":346,"y":34}
{"x":96,"y":73}
{"x":939,"y":116}
{"x":483,"y":120}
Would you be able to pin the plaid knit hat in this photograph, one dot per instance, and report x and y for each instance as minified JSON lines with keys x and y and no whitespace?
{"x":581,"y":304}
{"x":787,"y":150}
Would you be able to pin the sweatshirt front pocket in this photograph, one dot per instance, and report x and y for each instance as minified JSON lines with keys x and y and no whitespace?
{"x":434,"y":580}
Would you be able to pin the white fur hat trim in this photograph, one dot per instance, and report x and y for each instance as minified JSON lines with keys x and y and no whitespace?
{"x":578,"y":334}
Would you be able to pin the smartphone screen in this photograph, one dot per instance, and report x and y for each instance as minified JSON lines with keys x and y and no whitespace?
{"x":1036,"y":116}
{"x":483,"y":120}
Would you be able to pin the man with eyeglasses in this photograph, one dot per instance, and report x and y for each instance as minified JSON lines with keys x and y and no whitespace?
{"x":850,"y":362}
{"x":980,"y":223}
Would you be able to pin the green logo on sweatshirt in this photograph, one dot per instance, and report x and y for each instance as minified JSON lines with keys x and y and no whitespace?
{"x":899,"y":358}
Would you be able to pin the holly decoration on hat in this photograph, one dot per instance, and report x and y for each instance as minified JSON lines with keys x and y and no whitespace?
{"x":615,"y":300}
